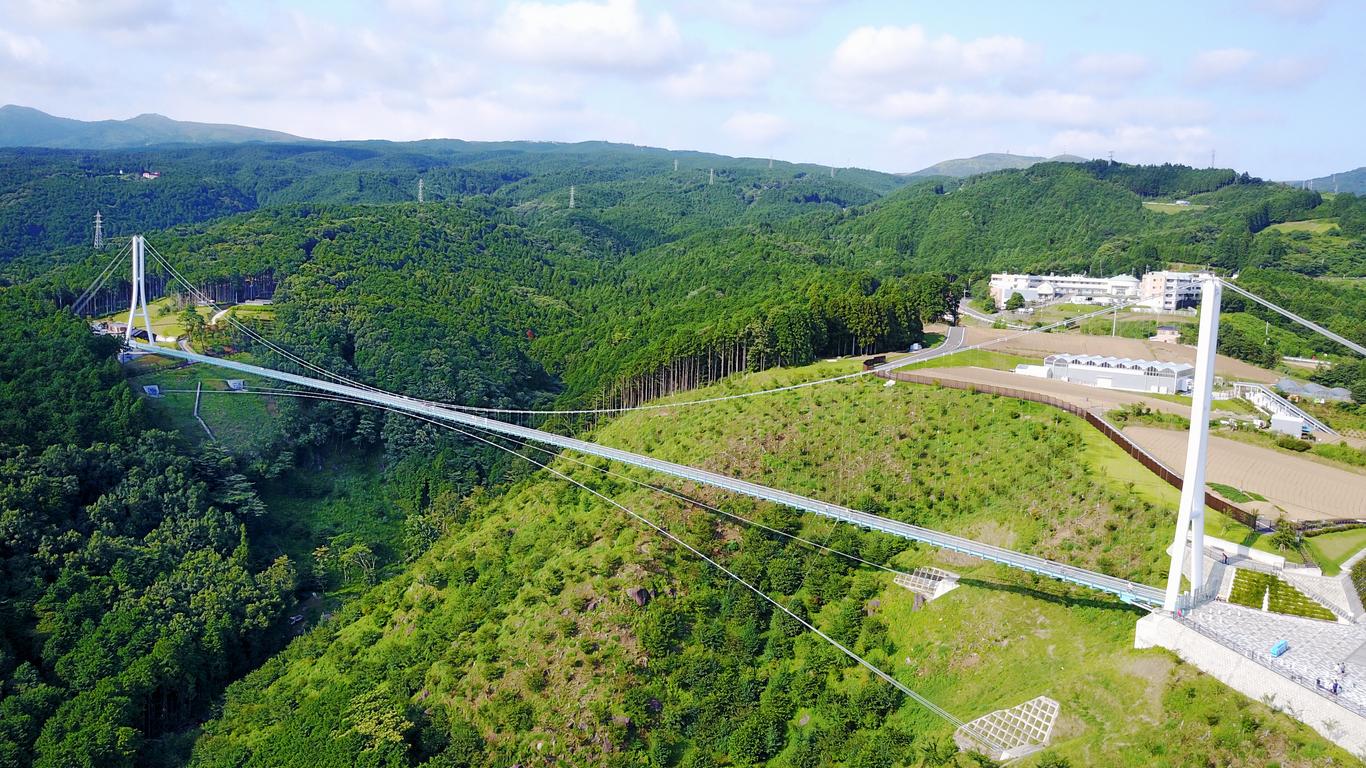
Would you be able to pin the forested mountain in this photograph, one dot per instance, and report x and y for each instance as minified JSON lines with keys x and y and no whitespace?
{"x":457,"y":609}
{"x":48,"y":198}
{"x":986,"y":163}
{"x":28,"y":127}
{"x":1353,"y":182}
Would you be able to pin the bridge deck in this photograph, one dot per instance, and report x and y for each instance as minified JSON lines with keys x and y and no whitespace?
{"x":1127,"y":591}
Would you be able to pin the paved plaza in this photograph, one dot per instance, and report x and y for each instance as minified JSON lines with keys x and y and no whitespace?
{"x":1318,"y":649}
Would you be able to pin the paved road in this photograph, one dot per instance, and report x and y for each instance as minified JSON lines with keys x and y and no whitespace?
{"x":953,"y":339}
{"x":965,"y":309}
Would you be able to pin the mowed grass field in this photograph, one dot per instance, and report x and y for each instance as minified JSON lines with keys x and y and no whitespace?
{"x":240,"y":422}
{"x":1173,"y":207}
{"x":1316,"y":226}
{"x":1331,"y":550}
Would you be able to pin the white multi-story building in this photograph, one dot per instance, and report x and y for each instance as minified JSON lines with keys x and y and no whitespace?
{"x":1168,"y":291}
{"x":1043,"y":288}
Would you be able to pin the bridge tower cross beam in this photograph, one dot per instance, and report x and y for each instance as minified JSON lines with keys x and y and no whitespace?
{"x":1190,"y":518}
{"x":138,"y":301}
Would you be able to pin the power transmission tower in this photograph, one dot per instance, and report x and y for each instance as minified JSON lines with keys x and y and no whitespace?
{"x":571,"y":195}
{"x":832,"y":171}
{"x":420,"y":187}
{"x":711,"y":176}
{"x":99,"y":231}
{"x":1211,"y":158}
{"x":675,"y":165}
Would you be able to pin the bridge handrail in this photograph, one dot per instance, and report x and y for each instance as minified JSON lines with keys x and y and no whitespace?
{"x":1127,"y":590}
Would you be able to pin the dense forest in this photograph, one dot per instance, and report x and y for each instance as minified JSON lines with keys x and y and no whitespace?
{"x":144,"y":571}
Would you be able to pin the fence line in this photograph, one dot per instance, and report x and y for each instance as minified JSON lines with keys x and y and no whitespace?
{"x":1106,"y":428}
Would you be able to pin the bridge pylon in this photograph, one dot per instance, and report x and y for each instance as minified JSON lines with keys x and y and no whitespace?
{"x":138,"y":301}
{"x":1190,"y":517}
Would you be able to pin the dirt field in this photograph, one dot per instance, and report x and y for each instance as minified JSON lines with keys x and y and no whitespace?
{"x":1042,"y":344}
{"x":1305,"y":489}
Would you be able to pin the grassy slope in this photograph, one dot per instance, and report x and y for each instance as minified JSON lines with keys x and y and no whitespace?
{"x":517,"y":620}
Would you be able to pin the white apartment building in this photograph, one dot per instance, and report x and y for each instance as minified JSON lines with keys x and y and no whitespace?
{"x":1168,"y":291}
{"x":1043,"y":288}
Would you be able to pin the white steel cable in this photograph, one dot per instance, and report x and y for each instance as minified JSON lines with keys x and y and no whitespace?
{"x":249,"y":332}
{"x":98,"y":282}
{"x":925,"y":702}
{"x":272,"y":391}
{"x":1311,"y":325}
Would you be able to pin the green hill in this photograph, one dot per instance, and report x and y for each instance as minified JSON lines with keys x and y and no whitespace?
{"x":986,"y":163}
{"x":514,"y":639}
{"x":28,"y":127}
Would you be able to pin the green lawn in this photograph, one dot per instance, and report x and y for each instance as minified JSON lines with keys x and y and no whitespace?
{"x":1316,"y":226}
{"x":1172,"y":207}
{"x":165,"y":318}
{"x":1330,"y":550}
{"x":1236,"y":495}
{"x":241,"y":423}
{"x":1250,"y":587}
{"x":978,"y":358}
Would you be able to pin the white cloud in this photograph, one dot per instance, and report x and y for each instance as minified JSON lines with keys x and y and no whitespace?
{"x":107,"y":15}
{"x":614,"y":35}
{"x":1114,"y":66}
{"x":737,"y":75}
{"x":772,"y":16}
{"x":1135,"y":143}
{"x":22,"y":50}
{"x":1044,"y":107}
{"x":1220,"y":64}
{"x":1243,"y":67}
{"x":905,"y":136}
{"x":756,"y":127}
{"x":910,"y":54}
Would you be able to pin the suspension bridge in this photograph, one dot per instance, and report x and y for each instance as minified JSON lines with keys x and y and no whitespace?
{"x":1185,"y":561}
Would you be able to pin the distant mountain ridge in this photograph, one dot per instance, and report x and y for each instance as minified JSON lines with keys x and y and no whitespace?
{"x":986,"y":163}
{"x":1353,"y":181}
{"x":28,"y":127}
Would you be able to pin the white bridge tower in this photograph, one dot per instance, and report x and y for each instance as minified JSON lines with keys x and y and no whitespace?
{"x":138,"y":302}
{"x":1190,"y":518}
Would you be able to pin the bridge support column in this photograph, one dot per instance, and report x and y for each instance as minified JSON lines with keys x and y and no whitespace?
{"x":1190,"y":518}
{"x":138,"y":249}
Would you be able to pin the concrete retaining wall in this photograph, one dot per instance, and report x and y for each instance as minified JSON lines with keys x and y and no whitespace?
{"x":1336,"y":723}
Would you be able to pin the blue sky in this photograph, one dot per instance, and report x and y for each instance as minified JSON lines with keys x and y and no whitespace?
{"x":1274,"y":87}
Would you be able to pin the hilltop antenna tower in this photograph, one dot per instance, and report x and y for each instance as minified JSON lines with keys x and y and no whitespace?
{"x":711,"y":176}
{"x":675,"y":165}
{"x":1211,"y":158}
{"x":421,"y":185}
{"x":1112,"y":157}
{"x":99,"y":231}
{"x":770,"y":163}
{"x":571,"y":195}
